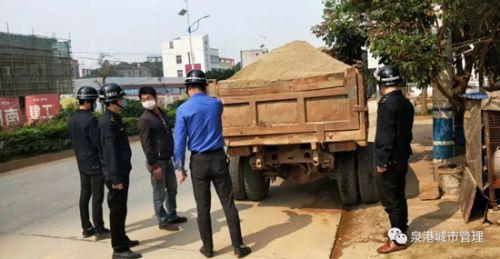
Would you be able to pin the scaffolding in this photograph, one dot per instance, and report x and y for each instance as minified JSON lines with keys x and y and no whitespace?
{"x":32,"y":64}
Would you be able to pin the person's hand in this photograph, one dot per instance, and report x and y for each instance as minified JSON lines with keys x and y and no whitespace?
{"x":118,"y":186}
{"x":381,"y":169}
{"x":158,"y":173}
{"x":181,"y":173}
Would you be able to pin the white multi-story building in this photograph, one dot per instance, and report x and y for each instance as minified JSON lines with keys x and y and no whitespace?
{"x":175,"y":55}
{"x":250,"y":56}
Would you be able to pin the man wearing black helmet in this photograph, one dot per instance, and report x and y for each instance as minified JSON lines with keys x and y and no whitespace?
{"x":115,"y":156}
{"x":84,"y":134}
{"x":392,"y":151}
{"x":198,"y":123}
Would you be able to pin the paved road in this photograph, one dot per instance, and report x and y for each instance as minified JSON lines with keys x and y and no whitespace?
{"x":39,"y":218}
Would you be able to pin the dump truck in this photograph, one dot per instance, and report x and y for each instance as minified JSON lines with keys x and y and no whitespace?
{"x":298,"y":114}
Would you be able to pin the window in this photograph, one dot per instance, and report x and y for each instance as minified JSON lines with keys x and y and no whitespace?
{"x":180,"y":73}
{"x":178,"y":59}
{"x":171,"y":44}
{"x":214,"y":59}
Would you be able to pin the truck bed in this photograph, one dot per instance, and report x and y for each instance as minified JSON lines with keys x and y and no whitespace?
{"x":319,"y":110}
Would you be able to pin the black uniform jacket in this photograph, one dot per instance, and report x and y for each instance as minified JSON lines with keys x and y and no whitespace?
{"x":84,"y":135}
{"x":394,"y":129}
{"x":115,"y":148}
{"x":156,"y":137}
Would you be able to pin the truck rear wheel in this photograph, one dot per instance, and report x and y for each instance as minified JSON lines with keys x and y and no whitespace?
{"x":236,"y":165}
{"x":366,"y":174}
{"x":256,"y":186}
{"x":347,"y":178}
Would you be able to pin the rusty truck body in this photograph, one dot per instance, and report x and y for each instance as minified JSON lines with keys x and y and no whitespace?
{"x":301,"y":130}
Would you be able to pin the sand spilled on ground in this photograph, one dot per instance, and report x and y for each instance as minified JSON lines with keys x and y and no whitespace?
{"x":297,"y":59}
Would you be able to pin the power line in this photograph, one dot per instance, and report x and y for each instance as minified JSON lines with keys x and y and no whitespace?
{"x":117,"y":53}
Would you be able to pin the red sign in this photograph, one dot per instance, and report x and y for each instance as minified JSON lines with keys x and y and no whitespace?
{"x":42,"y":107}
{"x":190,"y":67}
{"x":11,"y":115}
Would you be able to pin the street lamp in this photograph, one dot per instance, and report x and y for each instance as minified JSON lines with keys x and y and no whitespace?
{"x":185,"y":12}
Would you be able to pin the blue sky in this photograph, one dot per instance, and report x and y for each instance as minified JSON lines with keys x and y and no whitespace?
{"x":134,"y":28}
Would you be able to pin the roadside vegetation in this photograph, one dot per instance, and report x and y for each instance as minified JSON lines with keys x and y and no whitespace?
{"x":53,"y":136}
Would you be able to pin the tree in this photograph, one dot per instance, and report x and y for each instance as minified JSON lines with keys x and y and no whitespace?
{"x":220,"y":74}
{"x":106,"y":70}
{"x":343,"y":30}
{"x":425,"y":38}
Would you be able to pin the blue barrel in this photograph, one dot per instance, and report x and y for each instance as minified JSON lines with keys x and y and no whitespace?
{"x":443,"y":142}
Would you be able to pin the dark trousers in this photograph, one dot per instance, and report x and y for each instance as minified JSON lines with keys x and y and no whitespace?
{"x":391,"y":188}
{"x":91,"y":186}
{"x":117,"y":202}
{"x":213,"y":168}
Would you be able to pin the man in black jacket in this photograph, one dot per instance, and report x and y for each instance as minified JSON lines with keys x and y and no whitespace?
{"x":116,"y":155}
{"x":157,"y":142}
{"x":392,"y":151}
{"x":84,"y":134}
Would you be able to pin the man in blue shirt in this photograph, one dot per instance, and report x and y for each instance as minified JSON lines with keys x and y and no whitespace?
{"x":198,"y":123}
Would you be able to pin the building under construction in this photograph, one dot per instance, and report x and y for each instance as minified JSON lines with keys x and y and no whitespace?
{"x":31,"y":65}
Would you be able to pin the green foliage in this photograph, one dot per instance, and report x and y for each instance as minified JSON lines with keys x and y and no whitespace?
{"x":39,"y":139}
{"x":342,"y":30}
{"x":172,"y":109}
{"x":52,"y":136}
{"x":134,"y":109}
{"x":69,"y":104}
{"x":410,"y":34}
{"x":131,"y":125}
{"x":220,"y":74}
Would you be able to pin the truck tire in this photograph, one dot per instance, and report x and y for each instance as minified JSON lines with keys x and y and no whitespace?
{"x":256,"y":186}
{"x":366,"y":174}
{"x":347,"y":178}
{"x":236,"y":172}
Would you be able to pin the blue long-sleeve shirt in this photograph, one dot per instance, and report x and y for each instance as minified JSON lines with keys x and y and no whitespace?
{"x":198,"y":122}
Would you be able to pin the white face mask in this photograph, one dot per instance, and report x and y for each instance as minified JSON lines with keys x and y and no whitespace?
{"x":149,"y":105}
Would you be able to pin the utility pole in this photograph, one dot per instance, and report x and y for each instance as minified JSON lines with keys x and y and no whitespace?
{"x":187,"y":13}
{"x":190,"y":55}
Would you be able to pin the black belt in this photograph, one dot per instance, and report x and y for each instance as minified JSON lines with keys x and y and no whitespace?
{"x":207,"y":151}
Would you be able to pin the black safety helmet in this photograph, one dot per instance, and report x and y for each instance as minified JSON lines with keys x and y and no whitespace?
{"x":196,"y":77}
{"x":111,"y":92}
{"x":388,"y":76}
{"x":87,"y":93}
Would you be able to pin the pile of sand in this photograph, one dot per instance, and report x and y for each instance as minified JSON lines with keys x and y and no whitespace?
{"x":297,"y":59}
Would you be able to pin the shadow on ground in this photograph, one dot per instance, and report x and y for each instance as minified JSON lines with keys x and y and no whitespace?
{"x":187,"y":235}
{"x":298,"y":203}
{"x":429,"y":220}
{"x":321,"y":196}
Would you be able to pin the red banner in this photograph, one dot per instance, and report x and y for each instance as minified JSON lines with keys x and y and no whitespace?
{"x":42,"y":107}
{"x":11,"y":115}
{"x":190,"y":67}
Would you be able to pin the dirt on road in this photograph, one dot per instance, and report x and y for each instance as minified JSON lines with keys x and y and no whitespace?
{"x":363,"y":228}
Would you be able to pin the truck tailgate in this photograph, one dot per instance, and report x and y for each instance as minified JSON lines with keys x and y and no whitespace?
{"x":322,"y":111}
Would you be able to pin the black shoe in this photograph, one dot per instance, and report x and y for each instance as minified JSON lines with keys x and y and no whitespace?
{"x":242,"y":251}
{"x":179,"y":220}
{"x":207,"y":254}
{"x":126,"y":254}
{"x":133,"y":243}
{"x":169,"y":227}
{"x":102,"y":234}
{"x":88,"y":232}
